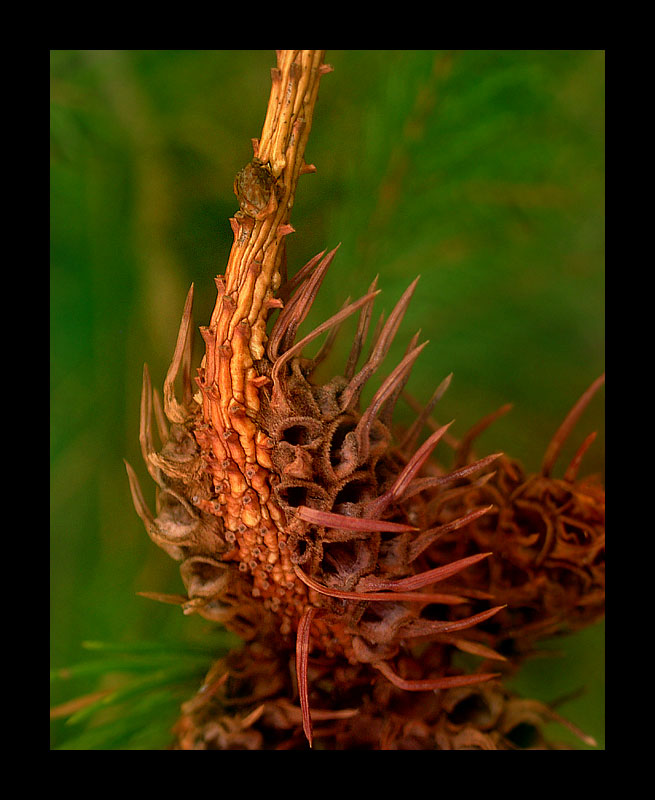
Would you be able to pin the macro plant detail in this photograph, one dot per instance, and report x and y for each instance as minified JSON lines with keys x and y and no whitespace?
{"x":306,"y":524}
{"x":384,"y":596}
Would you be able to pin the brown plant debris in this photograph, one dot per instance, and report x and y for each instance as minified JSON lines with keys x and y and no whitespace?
{"x":354,"y":565}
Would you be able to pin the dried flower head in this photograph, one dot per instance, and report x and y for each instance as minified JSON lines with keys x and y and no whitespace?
{"x":303,"y":522}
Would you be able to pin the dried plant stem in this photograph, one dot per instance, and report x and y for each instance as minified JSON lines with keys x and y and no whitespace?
{"x":252,"y":274}
{"x":236,"y":334}
{"x":239,"y":453}
{"x":301,"y":523}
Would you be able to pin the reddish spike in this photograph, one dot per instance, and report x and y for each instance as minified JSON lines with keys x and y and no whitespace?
{"x":160,"y":417}
{"x":376,"y":335}
{"x":421,"y":484}
{"x":283,"y":321}
{"x":287,"y":289}
{"x":174,"y":411}
{"x":462,"y":454}
{"x":409,"y":441}
{"x":187,"y":385}
{"x":137,"y":498}
{"x":379,"y":351}
{"x":429,"y":577}
{"x":429,"y":684}
{"x":386,"y":412}
{"x":171,"y":599}
{"x":377,"y":506}
{"x":572,"y":470}
{"x":450,"y":440}
{"x":330,"y":520}
{"x":429,"y":537}
{"x":562,"y":433}
{"x":295,"y":714}
{"x":326,"y":347}
{"x":280,"y":327}
{"x":302,"y":659}
{"x":296,"y":311}
{"x":330,"y":323}
{"x":426,"y":627}
{"x":375,"y":597}
{"x":573,"y":728}
{"x":366,"y":420}
{"x":442,"y":498}
{"x":360,"y":336}
{"x":145,"y":424}
{"x":393,"y":323}
{"x":475,"y":648}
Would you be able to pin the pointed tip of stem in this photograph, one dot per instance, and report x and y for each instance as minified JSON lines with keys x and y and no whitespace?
{"x":561,"y":435}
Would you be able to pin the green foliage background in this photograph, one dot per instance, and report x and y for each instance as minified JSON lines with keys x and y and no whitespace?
{"x":482,"y":170}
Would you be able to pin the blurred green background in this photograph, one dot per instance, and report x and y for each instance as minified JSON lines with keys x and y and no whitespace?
{"x":480,"y":170}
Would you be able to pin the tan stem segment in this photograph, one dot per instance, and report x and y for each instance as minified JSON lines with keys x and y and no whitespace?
{"x":253,"y":269}
{"x":266,"y":190}
{"x":238,"y":453}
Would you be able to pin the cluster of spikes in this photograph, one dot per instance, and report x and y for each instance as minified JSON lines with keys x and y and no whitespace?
{"x":375,"y":561}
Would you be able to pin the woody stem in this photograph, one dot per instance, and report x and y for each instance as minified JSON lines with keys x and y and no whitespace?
{"x":253,"y":272}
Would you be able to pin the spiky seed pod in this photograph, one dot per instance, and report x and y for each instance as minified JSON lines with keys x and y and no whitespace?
{"x":244,"y":704}
{"x":548,"y":539}
{"x":300,"y":522}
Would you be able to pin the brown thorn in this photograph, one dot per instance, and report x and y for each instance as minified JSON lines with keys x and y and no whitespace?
{"x":187,"y":386}
{"x":585,"y":737}
{"x":160,"y":417}
{"x":288,"y":288}
{"x":327,"y":345}
{"x":447,"y":682}
{"x":430,"y":576}
{"x":465,"y":444}
{"x":426,"y":627}
{"x":451,"y":441}
{"x":361,"y":334}
{"x":389,"y":405}
{"x":302,"y":659}
{"x":334,"y":320}
{"x":562,"y":433}
{"x":297,"y":307}
{"x":273,"y":302}
{"x":366,"y":420}
{"x":409,"y":440}
{"x":380,"y":349}
{"x":171,"y":599}
{"x":572,"y":470}
{"x":377,"y":331}
{"x":428,"y":537}
{"x":377,"y":506}
{"x":174,"y":411}
{"x":417,"y":460}
{"x":379,"y":597}
{"x":328,"y":519}
{"x":472,"y":647}
{"x":145,"y":426}
{"x":137,"y":497}
{"x":422,"y":484}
